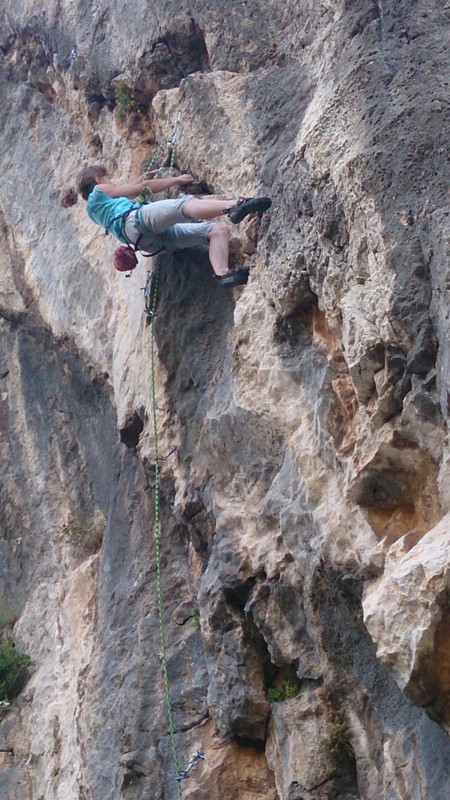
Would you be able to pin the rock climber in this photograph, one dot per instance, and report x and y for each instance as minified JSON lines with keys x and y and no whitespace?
{"x":165,"y":224}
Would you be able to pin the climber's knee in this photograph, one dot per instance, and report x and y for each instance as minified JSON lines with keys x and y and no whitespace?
{"x":219,"y":230}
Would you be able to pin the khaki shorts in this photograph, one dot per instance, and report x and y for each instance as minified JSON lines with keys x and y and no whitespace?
{"x":162,"y":225}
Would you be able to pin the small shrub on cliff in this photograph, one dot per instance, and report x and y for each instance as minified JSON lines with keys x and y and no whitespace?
{"x":286,"y":690}
{"x":13,"y":671}
{"x":87,"y":534}
{"x":79,"y":530}
{"x":125,"y":102}
{"x":337,"y":741}
{"x":195,"y":619}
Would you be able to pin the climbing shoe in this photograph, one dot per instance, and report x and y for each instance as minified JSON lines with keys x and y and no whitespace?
{"x":235,"y":277}
{"x":248,"y":205}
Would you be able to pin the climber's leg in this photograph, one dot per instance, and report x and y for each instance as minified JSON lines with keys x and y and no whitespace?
{"x":236,"y":209}
{"x":207,"y":208}
{"x":219,"y":238}
{"x":214,"y":234}
{"x":162,"y":214}
{"x":187,"y":234}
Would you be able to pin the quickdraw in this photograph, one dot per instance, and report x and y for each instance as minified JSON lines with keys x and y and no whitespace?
{"x":192,"y":763}
{"x":147,"y":194}
{"x":149,"y":292}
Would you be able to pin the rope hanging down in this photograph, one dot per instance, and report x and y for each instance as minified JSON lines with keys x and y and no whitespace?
{"x":198,"y":756}
{"x":159,"y":589}
{"x":150,"y":298}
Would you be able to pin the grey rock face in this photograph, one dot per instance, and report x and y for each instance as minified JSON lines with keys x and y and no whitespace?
{"x":301,"y":420}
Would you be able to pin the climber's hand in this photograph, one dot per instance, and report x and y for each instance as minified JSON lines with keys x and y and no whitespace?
{"x":184,"y":180}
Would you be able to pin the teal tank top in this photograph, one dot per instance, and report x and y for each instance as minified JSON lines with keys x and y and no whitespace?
{"x":107,"y":211}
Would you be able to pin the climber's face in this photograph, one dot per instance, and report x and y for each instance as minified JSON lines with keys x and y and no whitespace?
{"x":103,"y":179}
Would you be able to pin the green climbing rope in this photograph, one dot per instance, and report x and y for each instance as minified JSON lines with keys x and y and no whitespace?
{"x":159,"y":586}
{"x":147,"y":194}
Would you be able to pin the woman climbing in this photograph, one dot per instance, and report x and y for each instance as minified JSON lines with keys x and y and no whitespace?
{"x":165,"y":224}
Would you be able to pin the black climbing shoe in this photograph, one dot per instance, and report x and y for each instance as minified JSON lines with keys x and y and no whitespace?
{"x":248,"y":205}
{"x":235,"y":277}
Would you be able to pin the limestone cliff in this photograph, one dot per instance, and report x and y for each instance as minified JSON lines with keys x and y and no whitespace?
{"x":305,"y":513}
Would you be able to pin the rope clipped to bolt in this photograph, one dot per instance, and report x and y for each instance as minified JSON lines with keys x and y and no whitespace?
{"x":147,"y":194}
{"x":150,"y":282}
{"x":157,"y":528}
{"x":151,"y":297}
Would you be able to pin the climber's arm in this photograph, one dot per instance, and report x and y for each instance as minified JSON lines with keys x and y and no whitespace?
{"x":134,"y":189}
{"x":146,"y":176}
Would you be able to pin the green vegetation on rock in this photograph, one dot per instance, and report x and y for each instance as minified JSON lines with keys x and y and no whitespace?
{"x":286,"y":690}
{"x":125,"y":102}
{"x":13,"y":671}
